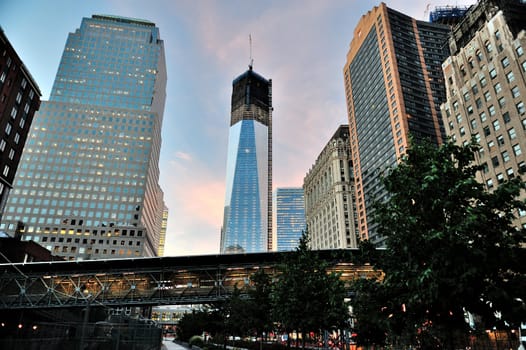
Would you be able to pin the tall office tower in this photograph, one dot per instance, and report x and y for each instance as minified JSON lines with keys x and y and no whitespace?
{"x":88,"y":180}
{"x":247,"y":217}
{"x":394,"y":87}
{"x":329,"y":195}
{"x":486,"y":88}
{"x":289,"y":218}
{"x":162,"y":236}
{"x":19,"y":100}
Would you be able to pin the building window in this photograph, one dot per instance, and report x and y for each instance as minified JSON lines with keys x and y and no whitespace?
{"x":491,"y":144}
{"x":502,"y":102}
{"x":505,"y":62}
{"x":2,"y":145}
{"x":493,"y":73}
{"x":500,"y":140}
{"x":517,"y":150}
{"x":6,"y":170}
{"x":506,"y":117}
{"x":466,"y":96}
{"x":482,"y":117}
{"x":483,"y":81}
{"x":515,"y":92}
{"x":462,"y":131}
{"x":470,"y":109}
{"x":478,"y":102}
{"x":496,"y":125}
{"x":497,"y":87}
{"x":473,"y":123}
{"x":520,"y":108}
{"x":489,"y":183}
{"x":512,"y":134}
{"x":487,"y":96}
{"x":506,"y":156}
{"x":488,"y":46}
{"x":487,"y":131}
{"x":8,"y":129}
{"x":479,"y":55}
{"x":500,"y":178}
{"x":509,"y":172}
{"x":510,"y":77}
{"x":491,"y":110}
{"x":11,"y":154}
{"x":459,"y":118}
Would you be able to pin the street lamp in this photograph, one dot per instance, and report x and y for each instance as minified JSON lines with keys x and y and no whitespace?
{"x":87,"y":297}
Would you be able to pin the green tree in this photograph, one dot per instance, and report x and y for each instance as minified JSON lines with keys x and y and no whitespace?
{"x":192,"y":323}
{"x":451,"y":245}
{"x":306,"y":297}
{"x":369,"y":304}
{"x":260,"y":301}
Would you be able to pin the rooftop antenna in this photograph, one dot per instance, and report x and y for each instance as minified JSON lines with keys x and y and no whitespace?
{"x":251,"y":59}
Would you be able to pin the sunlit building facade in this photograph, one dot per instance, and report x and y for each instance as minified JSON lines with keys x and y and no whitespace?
{"x":289,"y":218}
{"x":394,"y":87}
{"x":247,"y":217}
{"x":330,"y":210}
{"x":88,"y":185}
{"x":486,"y":89}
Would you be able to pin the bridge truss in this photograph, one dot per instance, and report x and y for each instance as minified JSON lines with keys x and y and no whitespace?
{"x":144,"y":281}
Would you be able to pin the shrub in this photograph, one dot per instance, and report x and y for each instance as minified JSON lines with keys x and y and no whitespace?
{"x":196,"y":340}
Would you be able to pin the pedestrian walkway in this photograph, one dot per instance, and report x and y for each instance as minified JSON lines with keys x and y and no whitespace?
{"x":168,"y":344}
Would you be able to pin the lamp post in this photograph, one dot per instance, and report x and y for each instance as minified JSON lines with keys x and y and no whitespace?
{"x":87,"y":297}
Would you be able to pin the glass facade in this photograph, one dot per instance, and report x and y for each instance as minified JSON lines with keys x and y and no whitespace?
{"x":248,"y":206}
{"x":89,"y":173}
{"x":289,"y":211}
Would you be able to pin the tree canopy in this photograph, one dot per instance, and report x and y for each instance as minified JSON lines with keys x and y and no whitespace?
{"x":306,"y":297}
{"x":451,"y":246}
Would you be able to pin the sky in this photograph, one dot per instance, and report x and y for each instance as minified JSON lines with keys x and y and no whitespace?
{"x":300,"y":44}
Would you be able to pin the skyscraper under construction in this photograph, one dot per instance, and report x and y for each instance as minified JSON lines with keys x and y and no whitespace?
{"x":247,"y":218}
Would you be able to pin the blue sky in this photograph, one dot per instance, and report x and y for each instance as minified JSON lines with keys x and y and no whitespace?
{"x":300,"y":44}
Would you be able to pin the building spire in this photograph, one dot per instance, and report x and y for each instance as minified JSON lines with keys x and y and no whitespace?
{"x":251,"y":62}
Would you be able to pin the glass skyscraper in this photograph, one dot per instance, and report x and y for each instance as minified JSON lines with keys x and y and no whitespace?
{"x":88,"y":181}
{"x":289,"y":209}
{"x":247,"y":220}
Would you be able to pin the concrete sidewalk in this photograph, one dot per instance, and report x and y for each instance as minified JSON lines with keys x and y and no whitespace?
{"x":168,"y":344}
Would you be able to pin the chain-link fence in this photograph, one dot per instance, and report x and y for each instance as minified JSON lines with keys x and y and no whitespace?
{"x":128,"y":335}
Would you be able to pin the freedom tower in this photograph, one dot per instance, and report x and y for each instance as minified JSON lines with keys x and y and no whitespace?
{"x":247,"y":217}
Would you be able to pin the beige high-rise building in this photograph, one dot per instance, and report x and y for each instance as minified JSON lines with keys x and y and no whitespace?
{"x":394,"y":87}
{"x":486,"y":88}
{"x":329,"y":196}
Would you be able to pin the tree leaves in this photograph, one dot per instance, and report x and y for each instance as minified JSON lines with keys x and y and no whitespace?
{"x":451,"y":245}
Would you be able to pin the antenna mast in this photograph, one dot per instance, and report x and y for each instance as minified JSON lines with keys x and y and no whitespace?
{"x":250,"y":45}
